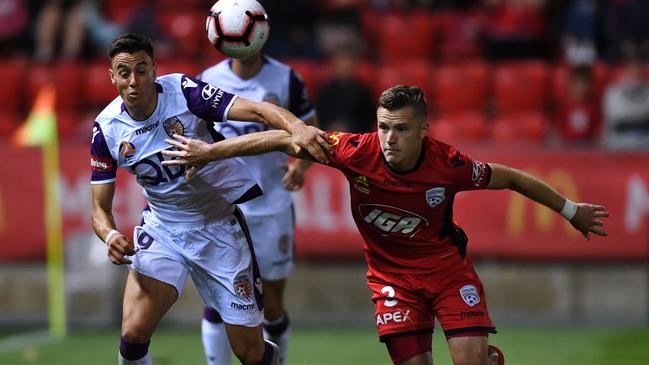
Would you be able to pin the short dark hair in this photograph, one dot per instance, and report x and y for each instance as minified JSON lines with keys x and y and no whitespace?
{"x":401,"y":96}
{"x":130,"y":43}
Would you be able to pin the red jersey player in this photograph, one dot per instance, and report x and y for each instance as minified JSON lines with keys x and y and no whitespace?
{"x":402,"y":187}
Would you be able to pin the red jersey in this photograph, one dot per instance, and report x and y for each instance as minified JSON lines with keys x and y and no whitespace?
{"x":405,"y":218}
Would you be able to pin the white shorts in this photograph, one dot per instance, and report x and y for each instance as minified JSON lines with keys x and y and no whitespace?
{"x":273,"y":238}
{"x":218,"y":256}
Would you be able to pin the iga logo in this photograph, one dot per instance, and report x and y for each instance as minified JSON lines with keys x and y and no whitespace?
{"x":391,"y":219}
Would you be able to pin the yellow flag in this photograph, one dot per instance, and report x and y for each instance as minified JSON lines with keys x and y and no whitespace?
{"x":40,"y":127}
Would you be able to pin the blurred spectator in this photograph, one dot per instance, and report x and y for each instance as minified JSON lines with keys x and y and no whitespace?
{"x":516,"y":29}
{"x":627,"y":29}
{"x":141,"y":20}
{"x":579,"y":117}
{"x":14,"y":27}
{"x":626,"y":110}
{"x":59,"y":21}
{"x":580,"y":33}
{"x":293,"y":31}
{"x":344,"y":104}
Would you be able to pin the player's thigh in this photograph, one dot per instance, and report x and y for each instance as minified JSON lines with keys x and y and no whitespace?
{"x":273,"y":298}
{"x":245,"y":341}
{"x":468,"y":350}
{"x":273,"y":241}
{"x":146,"y":300}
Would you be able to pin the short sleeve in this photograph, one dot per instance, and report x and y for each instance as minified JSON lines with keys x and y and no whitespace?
{"x":468,"y":173}
{"x":343,"y":147}
{"x":299,"y":103}
{"x":102,"y":163}
{"x":206,"y":101}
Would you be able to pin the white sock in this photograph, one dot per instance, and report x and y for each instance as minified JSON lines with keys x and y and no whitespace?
{"x":280,"y":339}
{"x":146,"y":360}
{"x":215,"y":343}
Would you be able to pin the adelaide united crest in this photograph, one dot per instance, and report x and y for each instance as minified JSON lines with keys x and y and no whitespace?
{"x":435,"y":196}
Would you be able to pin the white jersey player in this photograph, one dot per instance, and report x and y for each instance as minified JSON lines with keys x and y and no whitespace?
{"x":193,"y":226}
{"x":270,"y":217}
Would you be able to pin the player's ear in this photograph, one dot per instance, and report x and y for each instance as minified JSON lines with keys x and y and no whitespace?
{"x":423,"y":131}
{"x":155,"y":69}
{"x":112,"y":76}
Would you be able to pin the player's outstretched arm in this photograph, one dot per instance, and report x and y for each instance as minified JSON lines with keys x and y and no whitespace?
{"x":104,"y":224}
{"x":196,"y":153}
{"x":308,"y":137}
{"x":585,"y":217}
{"x":294,"y":177}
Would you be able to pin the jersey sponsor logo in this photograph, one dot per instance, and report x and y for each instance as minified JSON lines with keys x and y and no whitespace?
{"x":472,"y":314}
{"x":479,"y":172}
{"x":391,"y":219}
{"x":398,"y":183}
{"x":334,"y":138}
{"x":217,"y":99}
{"x":126,"y":149}
{"x":271,"y":98}
{"x":469,"y":294}
{"x":435,"y":196}
{"x":242,"y":286}
{"x":362,"y":184}
{"x":208,"y":91}
{"x":173,"y":126}
{"x":147,"y":128}
{"x":151,"y":172}
{"x":396,"y":316}
{"x":101,"y":163}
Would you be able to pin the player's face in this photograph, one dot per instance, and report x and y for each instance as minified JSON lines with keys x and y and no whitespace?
{"x":400,"y":135}
{"x":134,"y":75}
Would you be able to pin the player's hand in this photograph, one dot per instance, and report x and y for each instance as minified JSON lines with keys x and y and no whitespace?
{"x":118,"y":247}
{"x":193,"y":153}
{"x":314,"y":140}
{"x":294,"y":177}
{"x":588,"y":219}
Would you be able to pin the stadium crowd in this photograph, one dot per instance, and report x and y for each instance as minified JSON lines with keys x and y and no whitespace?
{"x":544,"y":72}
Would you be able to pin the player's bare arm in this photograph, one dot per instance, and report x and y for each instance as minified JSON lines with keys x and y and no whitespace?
{"x":293,"y":179}
{"x":585,"y":217}
{"x":104,"y":224}
{"x":308,"y":137}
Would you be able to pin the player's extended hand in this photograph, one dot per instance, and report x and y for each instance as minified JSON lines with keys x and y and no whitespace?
{"x":191,"y":152}
{"x":294,"y":177}
{"x":314,"y":140}
{"x":587,"y":219}
{"x":118,"y":247}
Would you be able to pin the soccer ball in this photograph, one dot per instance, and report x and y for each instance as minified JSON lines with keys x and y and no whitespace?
{"x":237,"y":28}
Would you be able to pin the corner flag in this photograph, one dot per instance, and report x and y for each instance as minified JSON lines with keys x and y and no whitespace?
{"x":40,"y":130}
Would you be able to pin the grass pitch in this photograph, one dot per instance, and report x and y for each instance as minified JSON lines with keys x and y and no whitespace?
{"x":521,"y":345}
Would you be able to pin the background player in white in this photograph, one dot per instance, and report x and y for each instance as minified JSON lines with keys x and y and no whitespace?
{"x":193,"y":227}
{"x":270,"y":217}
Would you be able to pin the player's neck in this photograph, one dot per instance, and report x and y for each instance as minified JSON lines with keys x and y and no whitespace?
{"x":247,"y":68}
{"x":143,"y":113}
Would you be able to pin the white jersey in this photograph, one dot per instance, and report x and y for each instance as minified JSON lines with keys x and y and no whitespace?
{"x":184,"y":105}
{"x":275,"y":83}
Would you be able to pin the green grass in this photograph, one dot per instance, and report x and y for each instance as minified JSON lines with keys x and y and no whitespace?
{"x":522,"y":346}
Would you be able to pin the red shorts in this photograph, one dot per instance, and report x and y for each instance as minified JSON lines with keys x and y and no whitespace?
{"x":408,"y":303}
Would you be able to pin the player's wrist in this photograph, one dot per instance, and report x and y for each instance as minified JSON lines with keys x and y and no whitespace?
{"x":569,"y":209}
{"x":110,"y":235}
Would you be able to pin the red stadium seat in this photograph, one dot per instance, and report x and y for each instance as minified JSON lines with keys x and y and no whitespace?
{"x":9,"y":122}
{"x":465,"y":126}
{"x":187,"y":30}
{"x":560,"y":77}
{"x":461,"y":87}
{"x":458,"y":34}
{"x":165,"y":67}
{"x":12,"y":74}
{"x":405,"y":36}
{"x":313,"y":74}
{"x":170,"y":5}
{"x":121,"y":10}
{"x":521,"y":86}
{"x":99,"y":90}
{"x":414,"y":73}
{"x":67,"y":79}
{"x":521,"y":127}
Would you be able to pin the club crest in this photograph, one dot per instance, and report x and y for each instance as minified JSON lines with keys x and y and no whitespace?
{"x":469,"y":294}
{"x":435,"y":196}
{"x":242,"y":286}
{"x":173,"y":126}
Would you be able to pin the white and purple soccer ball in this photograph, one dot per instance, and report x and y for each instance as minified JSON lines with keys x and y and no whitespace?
{"x":237,"y":28}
